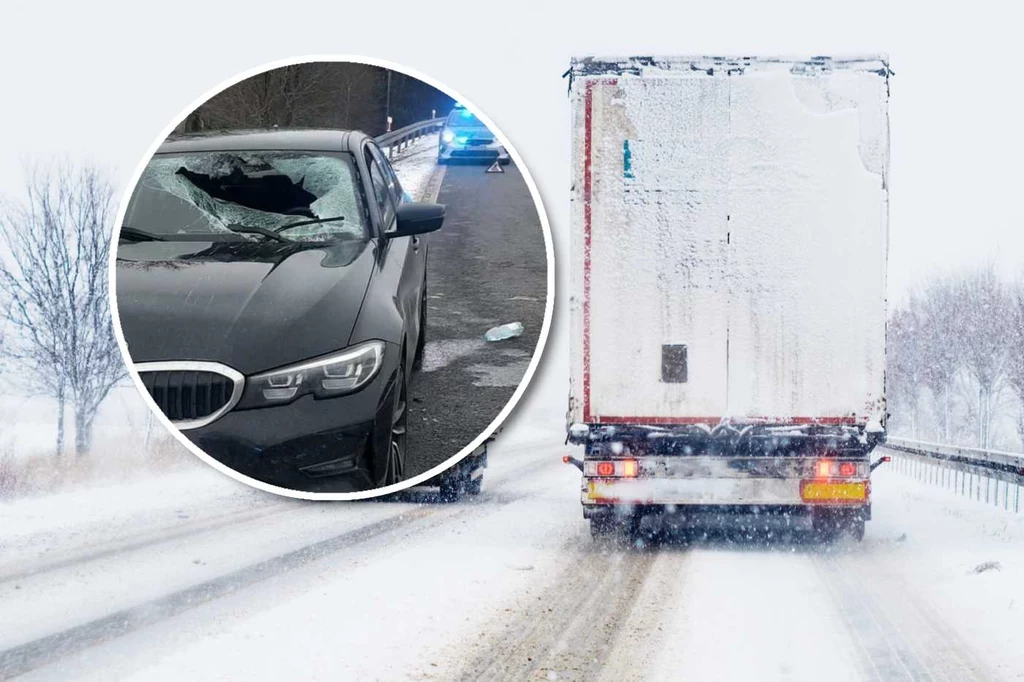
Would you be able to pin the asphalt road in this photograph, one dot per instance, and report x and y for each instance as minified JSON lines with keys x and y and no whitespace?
{"x":486,"y":267}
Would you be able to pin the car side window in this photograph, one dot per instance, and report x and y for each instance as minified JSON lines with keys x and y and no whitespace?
{"x":394,"y":186}
{"x":381,"y":191}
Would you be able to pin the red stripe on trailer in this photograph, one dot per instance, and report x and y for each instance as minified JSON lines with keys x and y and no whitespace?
{"x":587,"y":149}
{"x":715,"y":420}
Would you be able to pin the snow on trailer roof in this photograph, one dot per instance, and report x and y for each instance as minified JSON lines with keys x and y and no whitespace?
{"x":710,"y":65}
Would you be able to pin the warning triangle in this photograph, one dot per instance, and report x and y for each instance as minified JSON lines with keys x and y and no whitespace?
{"x":495,"y":168}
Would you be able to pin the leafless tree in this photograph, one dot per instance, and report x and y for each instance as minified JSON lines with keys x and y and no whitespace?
{"x":53,"y":274}
{"x":322,"y":95}
{"x":903,"y":366}
{"x":939,"y":311}
{"x":279,"y":97}
{"x":982,"y":335}
{"x":1015,"y":352}
{"x":357,"y":104}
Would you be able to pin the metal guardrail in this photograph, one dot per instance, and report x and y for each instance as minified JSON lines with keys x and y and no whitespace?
{"x":398,"y":140}
{"x":989,"y":475}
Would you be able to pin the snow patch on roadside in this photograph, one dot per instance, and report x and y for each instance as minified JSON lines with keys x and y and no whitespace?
{"x":414,"y":166}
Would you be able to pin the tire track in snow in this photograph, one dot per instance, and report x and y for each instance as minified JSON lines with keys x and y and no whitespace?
{"x":897,"y":635}
{"x":30,"y":655}
{"x":127,"y":544}
{"x":567,"y":631}
{"x":646,"y":633}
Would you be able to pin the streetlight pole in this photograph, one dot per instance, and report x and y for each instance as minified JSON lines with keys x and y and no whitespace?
{"x":387,"y":106}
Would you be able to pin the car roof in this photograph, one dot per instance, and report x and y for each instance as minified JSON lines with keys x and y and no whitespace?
{"x":319,"y":140}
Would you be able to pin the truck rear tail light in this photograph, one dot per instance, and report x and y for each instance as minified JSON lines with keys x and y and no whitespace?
{"x":621,"y":468}
{"x":828,"y":468}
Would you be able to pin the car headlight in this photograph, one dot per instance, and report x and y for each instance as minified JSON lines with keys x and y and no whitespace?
{"x":447,"y":136}
{"x":332,"y":375}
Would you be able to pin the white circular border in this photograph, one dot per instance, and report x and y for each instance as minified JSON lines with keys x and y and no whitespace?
{"x":375,"y":492}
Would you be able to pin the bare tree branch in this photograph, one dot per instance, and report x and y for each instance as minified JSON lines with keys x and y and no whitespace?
{"x":53,"y":275}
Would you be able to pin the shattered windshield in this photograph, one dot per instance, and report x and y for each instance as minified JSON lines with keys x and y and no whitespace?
{"x":201,"y":194}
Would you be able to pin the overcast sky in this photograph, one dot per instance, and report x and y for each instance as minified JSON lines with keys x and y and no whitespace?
{"x":102,"y":84}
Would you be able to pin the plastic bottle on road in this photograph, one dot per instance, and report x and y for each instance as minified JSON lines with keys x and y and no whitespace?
{"x":505,"y":331}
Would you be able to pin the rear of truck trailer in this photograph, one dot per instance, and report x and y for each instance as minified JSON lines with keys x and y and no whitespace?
{"x":728,"y":307}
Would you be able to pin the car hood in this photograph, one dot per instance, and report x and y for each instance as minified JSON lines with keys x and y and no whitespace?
{"x":251,"y":306}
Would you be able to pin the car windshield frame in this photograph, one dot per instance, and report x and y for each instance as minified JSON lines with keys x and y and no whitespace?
{"x":459,"y":119}
{"x":210,"y":191}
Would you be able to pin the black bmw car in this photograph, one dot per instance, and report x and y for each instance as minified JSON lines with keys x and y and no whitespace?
{"x":271,"y":289}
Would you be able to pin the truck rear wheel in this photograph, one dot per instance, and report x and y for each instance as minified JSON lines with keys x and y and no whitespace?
{"x":829,"y":525}
{"x":825,"y":526}
{"x":451,"y":489}
{"x":603,"y":526}
{"x":856,"y":529}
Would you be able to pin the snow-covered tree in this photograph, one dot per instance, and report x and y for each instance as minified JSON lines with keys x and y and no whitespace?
{"x":939,"y":313}
{"x":59,"y":339}
{"x":957,"y":346}
{"x":1015,"y":351}
{"x":983,"y":333}
{"x":904,"y":368}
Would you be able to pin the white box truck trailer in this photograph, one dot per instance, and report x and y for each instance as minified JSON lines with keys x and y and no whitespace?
{"x":728,"y":304}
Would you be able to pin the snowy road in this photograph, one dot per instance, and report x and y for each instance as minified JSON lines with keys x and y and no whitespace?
{"x":506,"y":586}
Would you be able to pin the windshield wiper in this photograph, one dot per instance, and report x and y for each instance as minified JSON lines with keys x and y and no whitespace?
{"x":253,"y":229}
{"x":314,"y":221}
{"x":139,"y":235}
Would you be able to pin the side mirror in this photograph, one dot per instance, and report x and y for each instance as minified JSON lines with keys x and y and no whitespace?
{"x":414,"y":218}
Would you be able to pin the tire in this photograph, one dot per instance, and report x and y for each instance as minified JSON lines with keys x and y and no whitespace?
{"x":825,"y":527}
{"x":856,"y":529}
{"x":394,"y":471}
{"x":421,"y":339}
{"x":474,"y":486}
{"x":603,"y":527}
{"x":451,"y":489}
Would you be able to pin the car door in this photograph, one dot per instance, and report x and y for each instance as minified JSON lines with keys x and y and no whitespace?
{"x":404,"y":258}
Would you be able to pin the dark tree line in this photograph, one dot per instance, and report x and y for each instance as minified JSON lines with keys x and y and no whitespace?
{"x":321,"y":95}
{"x":956,"y":362}
{"x":58,"y":339}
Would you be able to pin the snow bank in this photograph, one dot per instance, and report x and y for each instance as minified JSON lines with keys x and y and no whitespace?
{"x":415,"y":165}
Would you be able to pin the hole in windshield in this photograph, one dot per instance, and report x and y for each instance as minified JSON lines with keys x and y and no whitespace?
{"x":210,"y":194}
